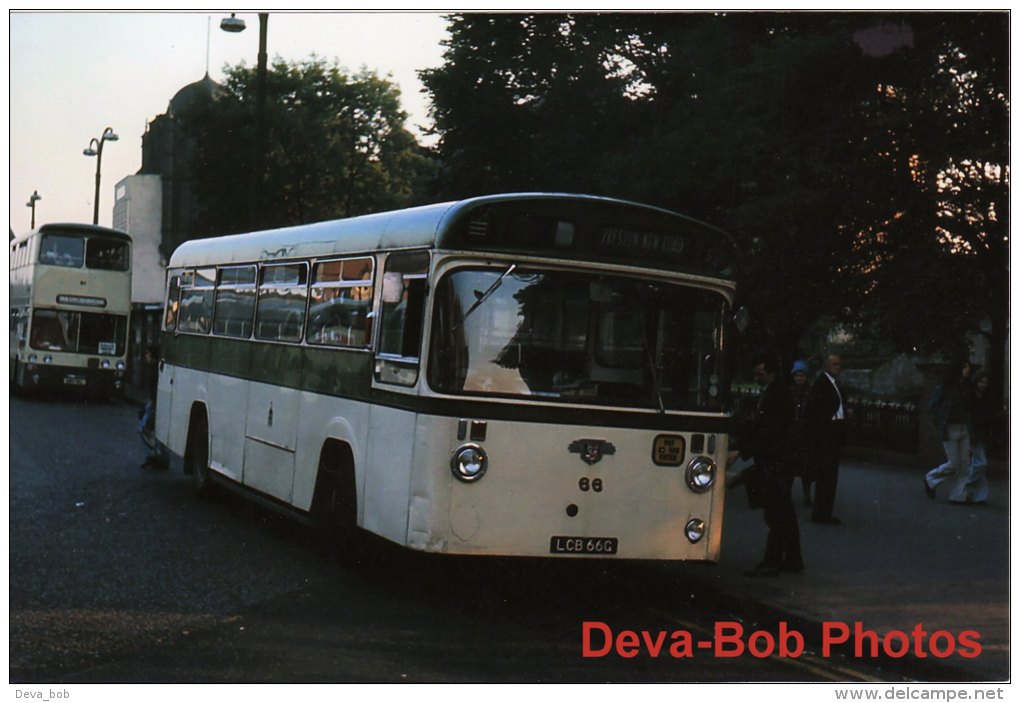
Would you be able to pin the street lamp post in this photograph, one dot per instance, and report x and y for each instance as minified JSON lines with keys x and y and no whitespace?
{"x":32,"y":199}
{"x":233,"y":24}
{"x":96,"y":149}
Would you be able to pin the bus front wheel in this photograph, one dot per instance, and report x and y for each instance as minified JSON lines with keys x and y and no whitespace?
{"x":335,"y":502}
{"x":197,"y":455}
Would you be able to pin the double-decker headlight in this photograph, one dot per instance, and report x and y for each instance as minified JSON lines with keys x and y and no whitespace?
{"x":700,"y":474}
{"x":121,"y":365}
{"x":105,"y":363}
{"x":48,"y":359}
{"x":469,"y":463}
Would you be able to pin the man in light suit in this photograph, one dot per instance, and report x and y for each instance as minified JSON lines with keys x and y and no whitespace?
{"x":826,"y":419}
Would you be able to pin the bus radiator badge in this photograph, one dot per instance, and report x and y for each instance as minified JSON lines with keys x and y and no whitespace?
{"x":591,"y":450}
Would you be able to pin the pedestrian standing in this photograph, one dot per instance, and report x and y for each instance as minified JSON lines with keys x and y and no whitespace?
{"x":984,"y":412}
{"x":950,"y":411}
{"x":155,"y":458}
{"x":770,"y":435}
{"x":799,"y":456}
{"x":826,"y":415}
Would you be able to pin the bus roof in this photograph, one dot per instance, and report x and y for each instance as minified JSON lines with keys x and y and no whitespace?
{"x":560,"y":225}
{"x":75,"y":227}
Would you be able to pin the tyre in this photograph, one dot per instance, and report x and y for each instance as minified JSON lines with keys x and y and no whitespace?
{"x":197,"y":455}
{"x":335,"y":505}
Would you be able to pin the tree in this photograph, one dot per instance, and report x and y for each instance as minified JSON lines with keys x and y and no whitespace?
{"x":726,"y":118}
{"x":939,"y":264}
{"x":859,"y":159}
{"x":336,"y":146}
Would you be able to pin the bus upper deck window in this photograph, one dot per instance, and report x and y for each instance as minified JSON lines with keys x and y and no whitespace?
{"x":62,"y":250}
{"x":106,"y":254}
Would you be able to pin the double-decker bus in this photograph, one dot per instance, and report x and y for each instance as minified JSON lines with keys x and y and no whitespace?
{"x":523,"y":374}
{"x":70,"y":303}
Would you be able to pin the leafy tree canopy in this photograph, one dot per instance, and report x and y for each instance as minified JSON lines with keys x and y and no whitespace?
{"x":335,"y":146}
{"x":860,"y":159}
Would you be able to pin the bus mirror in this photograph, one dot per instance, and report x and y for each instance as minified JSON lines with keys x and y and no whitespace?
{"x":741,"y":319}
{"x":392,"y":287}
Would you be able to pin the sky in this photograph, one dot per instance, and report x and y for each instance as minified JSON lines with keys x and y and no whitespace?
{"x":73,"y":74}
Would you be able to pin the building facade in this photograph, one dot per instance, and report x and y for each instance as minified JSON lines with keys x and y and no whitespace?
{"x":159,"y":208}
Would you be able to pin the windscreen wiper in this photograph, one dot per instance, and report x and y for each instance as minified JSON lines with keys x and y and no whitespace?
{"x":485,"y":296}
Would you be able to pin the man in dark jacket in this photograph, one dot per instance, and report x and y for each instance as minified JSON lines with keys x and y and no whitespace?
{"x":826,"y":420}
{"x":770,"y":436}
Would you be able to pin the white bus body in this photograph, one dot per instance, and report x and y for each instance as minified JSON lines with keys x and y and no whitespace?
{"x":70,"y":307}
{"x":511,"y":375}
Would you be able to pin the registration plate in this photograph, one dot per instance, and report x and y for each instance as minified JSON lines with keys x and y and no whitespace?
{"x":583,"y":545}
{"x":74,"y":380}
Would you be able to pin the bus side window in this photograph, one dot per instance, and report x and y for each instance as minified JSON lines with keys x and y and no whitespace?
{"x":402,"y":320}
{"x":234,"y":308}
{"x":282,"y":298}
{"x":340,"y":303}
{"x":197,"y":302}
{"x":173,"y":293}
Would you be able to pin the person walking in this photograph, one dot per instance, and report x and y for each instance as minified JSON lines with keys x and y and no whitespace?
{"x":799,"y":457}
{"x":826,"y":415}
{"x":950,"y":411}
{"x":770,"y":434}
{"x":982,"y":422}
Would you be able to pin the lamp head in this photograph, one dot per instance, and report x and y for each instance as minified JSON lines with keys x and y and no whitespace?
{"x":232,"y":24}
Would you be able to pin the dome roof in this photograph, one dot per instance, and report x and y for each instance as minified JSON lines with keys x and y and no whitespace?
{"x":193,"y":95}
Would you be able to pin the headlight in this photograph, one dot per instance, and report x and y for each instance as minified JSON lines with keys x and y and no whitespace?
{"x":695,"y":530}
{"x":469,"y":463}
{"x":105,"y":363}
{"x":700,"y":474}
{"x":32,"y":358}
{"x":47,"y":359}
{"x":121,"y":365}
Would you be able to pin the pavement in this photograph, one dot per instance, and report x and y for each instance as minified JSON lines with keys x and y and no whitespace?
{"x":898,"y":560}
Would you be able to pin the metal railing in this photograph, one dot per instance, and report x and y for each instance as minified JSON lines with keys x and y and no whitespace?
{"x":873,"y":422}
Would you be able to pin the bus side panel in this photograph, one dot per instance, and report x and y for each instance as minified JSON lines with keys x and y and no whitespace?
{"x":189,"y":387}
{"x":388,"y":482}
{"x":324,"y":418}
{"x":270,"y":434}
{"x":334,"y":406}
{"x":165,"y":394}
{"x":181,"y":385}
{"x":227,"y":394}
{"x":428,"y":524}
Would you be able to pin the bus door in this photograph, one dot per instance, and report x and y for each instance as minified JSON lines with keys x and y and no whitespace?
{"x":277,"y":366}
{"x":392,"y":427}
{"x":164,"y":393}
